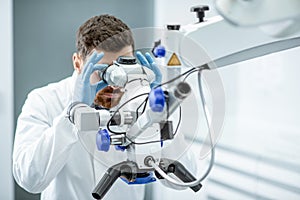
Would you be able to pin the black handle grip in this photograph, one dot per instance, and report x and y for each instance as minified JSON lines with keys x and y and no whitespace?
{"x":183,"y":174}
{"x":105,"y":183}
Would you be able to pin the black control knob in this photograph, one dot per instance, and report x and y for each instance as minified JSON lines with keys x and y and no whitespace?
{"x":200,"y":10}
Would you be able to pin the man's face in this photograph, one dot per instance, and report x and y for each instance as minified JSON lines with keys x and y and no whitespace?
{"x":109,"y":96}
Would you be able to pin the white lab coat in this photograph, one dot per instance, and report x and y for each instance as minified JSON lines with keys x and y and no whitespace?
{"x":48,"y":156}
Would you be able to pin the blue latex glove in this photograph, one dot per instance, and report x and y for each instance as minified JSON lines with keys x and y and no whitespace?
{"x":148,"y":61}
{"x":84,"y":91}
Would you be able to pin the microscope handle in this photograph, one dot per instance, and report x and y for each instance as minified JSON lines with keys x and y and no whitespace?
{"x":183,"y":174}
{"x":106,"y":182}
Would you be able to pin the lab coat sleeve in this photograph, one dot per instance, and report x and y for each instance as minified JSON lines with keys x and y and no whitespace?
{"x":41,"y":145}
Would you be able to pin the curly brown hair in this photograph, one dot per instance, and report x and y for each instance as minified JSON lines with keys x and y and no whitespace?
{"x":103,"y":32}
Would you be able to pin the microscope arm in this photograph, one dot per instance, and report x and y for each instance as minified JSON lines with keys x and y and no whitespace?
{"x":224,"y":43}
{"x":258,"y":51}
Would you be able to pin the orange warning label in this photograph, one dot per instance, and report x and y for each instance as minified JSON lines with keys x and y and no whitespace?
{"x":174,"y":60}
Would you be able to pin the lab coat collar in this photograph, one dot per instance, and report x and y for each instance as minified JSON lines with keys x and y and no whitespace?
{"x":72,"y":82}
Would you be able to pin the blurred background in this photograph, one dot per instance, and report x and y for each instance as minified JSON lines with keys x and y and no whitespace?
{"x":257,"y":154}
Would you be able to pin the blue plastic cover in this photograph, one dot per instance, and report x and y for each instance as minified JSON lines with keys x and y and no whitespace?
{"x":103,"y":140}
{"x":157,"y":100}
{"x":141,"y":180}
{"x":159,"y":51}
{"x":120,"y":148}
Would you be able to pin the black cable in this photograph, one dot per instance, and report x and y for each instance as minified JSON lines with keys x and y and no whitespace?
{"x":143,"y":103}
{"x":146,"y":101}
{"x":174,"y":79}
{"x":196,"y":70}
{"x":109,"y":121}
{"x":177,"y":127}
{"x":179,"y":121}
{"x":141,"y":143}
{"x":201,"y":67}
{"x":167,"y":103}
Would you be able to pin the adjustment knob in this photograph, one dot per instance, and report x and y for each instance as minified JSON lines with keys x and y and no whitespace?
{"x":158,"y":50}
{"x":103,"y":140}
{"x":200,"y":10}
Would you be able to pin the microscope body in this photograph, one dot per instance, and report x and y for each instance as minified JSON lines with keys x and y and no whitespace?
{"x":139,"y":125}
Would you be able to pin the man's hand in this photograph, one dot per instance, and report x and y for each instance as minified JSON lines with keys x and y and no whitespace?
{"x":84,"y":91}
{"x":148,"y":61}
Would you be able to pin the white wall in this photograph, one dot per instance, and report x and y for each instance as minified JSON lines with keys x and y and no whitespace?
{"x":6,"y":99}
{"x":258,"y":155}
{"x":261,"y":125}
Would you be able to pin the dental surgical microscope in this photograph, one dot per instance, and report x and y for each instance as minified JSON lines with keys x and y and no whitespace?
{"x":142,"y":121}
{"x":139,"y":126}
